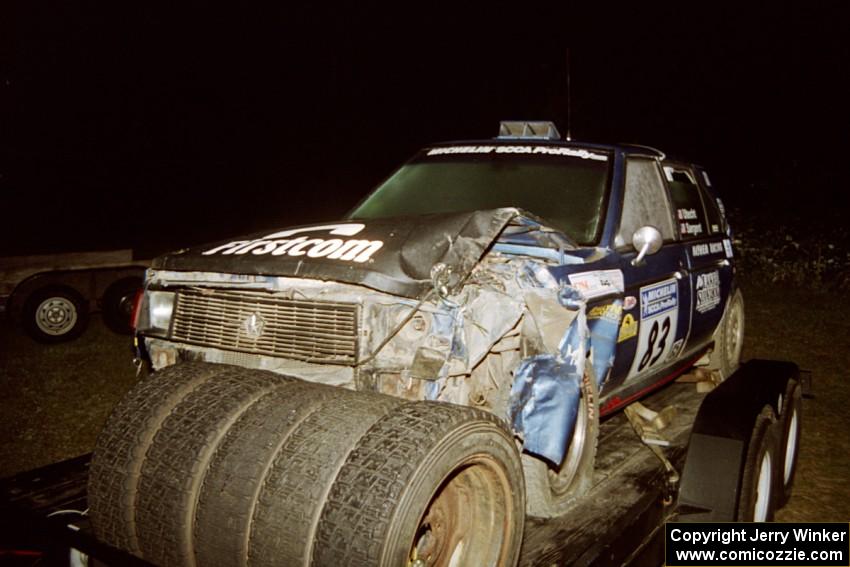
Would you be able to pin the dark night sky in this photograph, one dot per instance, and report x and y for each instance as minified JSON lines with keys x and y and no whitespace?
{"x":158,"y":129}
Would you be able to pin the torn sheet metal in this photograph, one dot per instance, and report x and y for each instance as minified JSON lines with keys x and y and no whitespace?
{"x":546,"y":392}
{"x":603,"y":324}
{"x":545,"y":396}
{"x":390,"y":255}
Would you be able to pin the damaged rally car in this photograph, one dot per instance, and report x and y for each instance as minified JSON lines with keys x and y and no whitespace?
{"x":404,"y":385}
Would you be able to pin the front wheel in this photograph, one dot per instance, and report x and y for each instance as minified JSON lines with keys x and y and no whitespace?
{"x":552,"y":490}
{"x":55,"y":314}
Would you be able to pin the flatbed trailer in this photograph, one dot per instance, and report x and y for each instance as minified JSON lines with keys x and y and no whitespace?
{"x":619,"y":522}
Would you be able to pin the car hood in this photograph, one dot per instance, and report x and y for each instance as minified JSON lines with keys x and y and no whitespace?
{"x":393,"y":255}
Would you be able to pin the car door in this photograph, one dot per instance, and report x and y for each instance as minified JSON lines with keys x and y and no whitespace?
{"x":656,"y":306}
{"x":707,"y":247}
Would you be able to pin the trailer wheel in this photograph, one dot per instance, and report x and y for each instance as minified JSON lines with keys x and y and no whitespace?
{"x":790,"y":415}
{"x":550,"y":491}
{"x":429,"y":484}
{"x":729,"y":338}
{"x":55,"y":314}
{"x":117,"y":304}
{"x":757,"y":498}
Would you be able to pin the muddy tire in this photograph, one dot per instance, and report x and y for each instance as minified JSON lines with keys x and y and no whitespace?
{"x":121,"y":446}
{"x":208,"y":464}
{"x":117,"y":305}
{"x":729,"y":338}
{"x":757,"y":497}
{"x":790,"y":416}
{"x":55,"y":314}
{"x":429,"y":481}
{"x":550,"y":490}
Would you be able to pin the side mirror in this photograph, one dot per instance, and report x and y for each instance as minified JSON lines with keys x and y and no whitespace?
{"x":646,"y":240}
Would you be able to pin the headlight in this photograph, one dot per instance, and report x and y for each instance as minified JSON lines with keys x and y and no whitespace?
{"x":155,"y":314}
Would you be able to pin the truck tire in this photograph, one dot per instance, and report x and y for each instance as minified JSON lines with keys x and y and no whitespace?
{"x":430,"y":483}
{"x":55,"y":314}
{"x":790,"y":415}
{"x":729,"y":338}
{"x":117,"y":304}
{"x":757,"y":497}
{"x":550,"y":490}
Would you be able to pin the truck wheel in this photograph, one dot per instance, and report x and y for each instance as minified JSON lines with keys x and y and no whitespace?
{"x":55,"y":314}
{"x":790,"y":415}
{"x":729,"y":338}
{"x":550,"y":490}
{"x":757,"y":501}
{"x":117,"y":304}
{"x":429,"y":484}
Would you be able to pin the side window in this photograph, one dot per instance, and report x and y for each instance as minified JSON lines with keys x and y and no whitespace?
{"x":645,"y":202}
{"x":712,"y":206}
{"x":684,"y":192}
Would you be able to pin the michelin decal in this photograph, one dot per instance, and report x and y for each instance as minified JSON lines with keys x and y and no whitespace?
{"x":659,"y":314}
{"x":280,"y":244}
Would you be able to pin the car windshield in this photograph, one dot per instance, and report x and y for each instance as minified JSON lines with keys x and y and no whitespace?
{"x":565,"y":186}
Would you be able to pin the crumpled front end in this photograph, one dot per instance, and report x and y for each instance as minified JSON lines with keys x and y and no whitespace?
{"x":504,"y":335}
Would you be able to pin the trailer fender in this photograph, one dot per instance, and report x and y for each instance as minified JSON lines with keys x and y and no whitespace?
{"x":711,"y":480}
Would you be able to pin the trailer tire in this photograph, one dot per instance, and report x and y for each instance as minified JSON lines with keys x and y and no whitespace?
{"x":729,"y":338}
{"x":117,"y":304}
{"x":550,"y":491}
{"x":790,"y":416}
{"x":429,"y":481}
{"x":55,"y":314}
{"x":757,"y":497}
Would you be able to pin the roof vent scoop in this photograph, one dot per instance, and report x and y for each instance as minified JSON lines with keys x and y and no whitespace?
{"x":526,"y":129}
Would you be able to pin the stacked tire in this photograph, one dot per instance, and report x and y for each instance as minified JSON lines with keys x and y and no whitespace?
{"x":208,"y":464}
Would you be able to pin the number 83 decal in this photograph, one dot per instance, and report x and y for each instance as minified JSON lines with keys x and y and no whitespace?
{"x":659,"y":312}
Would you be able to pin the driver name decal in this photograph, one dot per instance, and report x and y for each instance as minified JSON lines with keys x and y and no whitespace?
{"x":280,"y":244}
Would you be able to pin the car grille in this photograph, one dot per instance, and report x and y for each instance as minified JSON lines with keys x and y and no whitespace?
{"x":260,"y":323}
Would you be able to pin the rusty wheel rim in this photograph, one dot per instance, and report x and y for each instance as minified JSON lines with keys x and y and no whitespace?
{"x":467,"y":521}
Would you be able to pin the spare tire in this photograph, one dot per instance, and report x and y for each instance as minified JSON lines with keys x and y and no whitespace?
{"x":430,"y":483}
{"x":208,"y":464}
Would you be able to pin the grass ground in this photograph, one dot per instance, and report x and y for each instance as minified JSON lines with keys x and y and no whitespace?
{"x":56,"y":398}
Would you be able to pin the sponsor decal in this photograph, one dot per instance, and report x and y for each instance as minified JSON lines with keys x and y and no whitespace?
{"x":659,"y":315}
{"x":708,"y":291}
{"x":727,"y":244}
{"x":280,"y":244}
{"x":611,"y":312}
{"x":698,"y":250}
{"x":598,"y":283}
{"x":527,"y":150}
{"x":629,"y":302}
{"x":628,"y":328}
